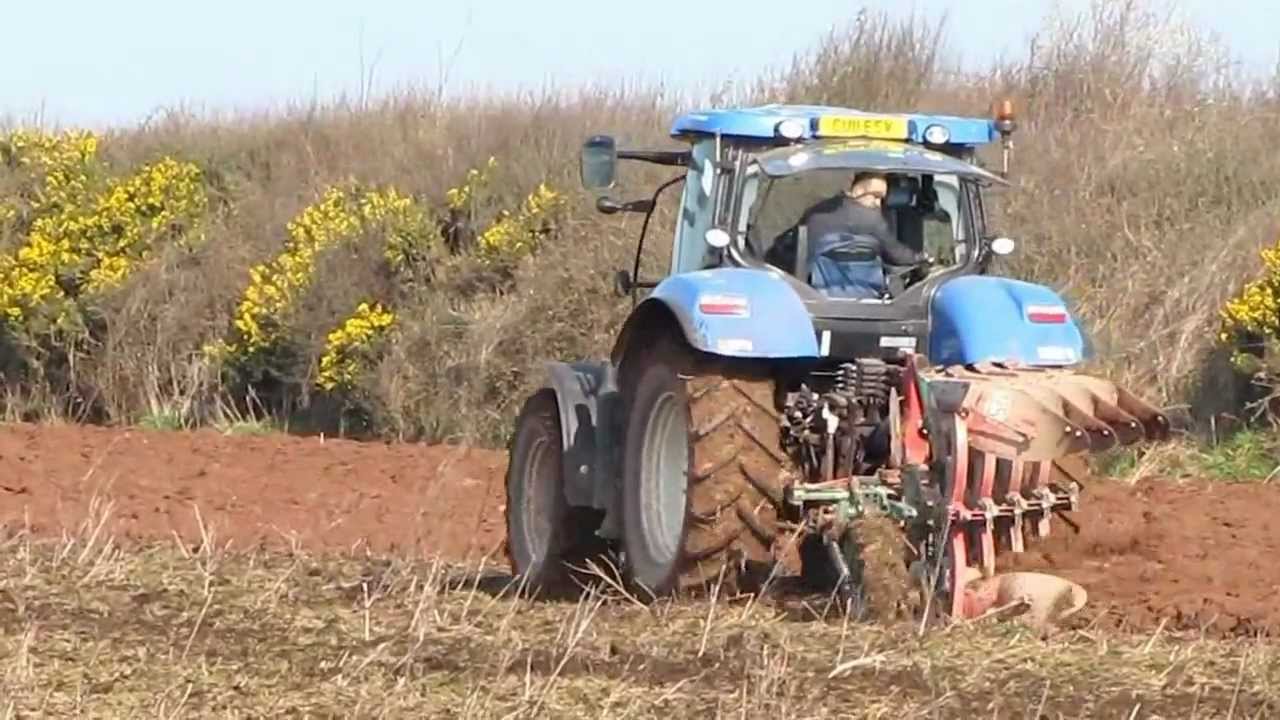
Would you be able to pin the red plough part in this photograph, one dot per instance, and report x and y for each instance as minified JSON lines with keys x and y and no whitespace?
{"x":1012,"y":443}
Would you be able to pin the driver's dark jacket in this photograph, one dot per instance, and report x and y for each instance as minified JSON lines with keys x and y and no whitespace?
{"x":841,"y":214}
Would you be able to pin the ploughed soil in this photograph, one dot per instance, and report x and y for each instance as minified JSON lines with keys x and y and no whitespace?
{"x":1197,"y":556}
{"x":254,"y":490}
{"x":1182,"y":556}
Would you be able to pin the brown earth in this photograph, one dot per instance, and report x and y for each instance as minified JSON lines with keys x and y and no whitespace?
{"x":255,"y":490}
{"x":1190,"y":557}
{"x":1197,"y":556}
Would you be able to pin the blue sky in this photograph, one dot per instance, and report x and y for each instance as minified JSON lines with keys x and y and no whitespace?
{"x":97,"y":63}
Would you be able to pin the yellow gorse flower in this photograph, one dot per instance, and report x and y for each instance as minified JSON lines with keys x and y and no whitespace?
{"x":409,"y":232}
{"x":60,"y":161}
{"x":348,"y":344}
{"x":80,"y":240}
{"x":462,"y":197}
{"x":516,"y":234}
{"x":342,"y":215}
{"x":1256,"y":309}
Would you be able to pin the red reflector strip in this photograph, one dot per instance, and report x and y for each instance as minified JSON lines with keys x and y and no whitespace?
{"x":723,"y":305}
{"x":1046,"y":314}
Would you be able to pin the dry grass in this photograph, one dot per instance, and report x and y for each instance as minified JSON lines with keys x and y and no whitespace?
{"x":1146,"y":181}
{"x":90,"y":630}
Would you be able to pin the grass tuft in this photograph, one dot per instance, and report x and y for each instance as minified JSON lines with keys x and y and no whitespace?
{"x":1246,"y":455}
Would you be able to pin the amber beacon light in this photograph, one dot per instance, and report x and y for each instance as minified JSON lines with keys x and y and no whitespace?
{"x":1002,"y":113}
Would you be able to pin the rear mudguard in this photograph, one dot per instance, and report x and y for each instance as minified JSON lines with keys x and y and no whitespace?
{"x":590,"y":425}
{"x":983,"y":318}
{"x":732,"y":312}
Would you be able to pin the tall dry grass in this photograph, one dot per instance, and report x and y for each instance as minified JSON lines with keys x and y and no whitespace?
{"x":1145,"y":184}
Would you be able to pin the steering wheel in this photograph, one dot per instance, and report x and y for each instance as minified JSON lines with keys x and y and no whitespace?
{"x":899,"y":277}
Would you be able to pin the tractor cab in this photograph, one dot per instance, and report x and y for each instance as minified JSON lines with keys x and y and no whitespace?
{"x":752,"y":174}
{"x":773,"y":188}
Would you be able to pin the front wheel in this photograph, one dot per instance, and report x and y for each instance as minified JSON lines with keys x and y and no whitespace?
{"x":702,"y":480}
{"x":545,"y":535}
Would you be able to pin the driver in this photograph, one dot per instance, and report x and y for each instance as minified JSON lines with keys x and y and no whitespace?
{"x":857,"y":211}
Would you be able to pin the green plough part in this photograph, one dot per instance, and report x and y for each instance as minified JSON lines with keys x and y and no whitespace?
{"x":854,"y":501}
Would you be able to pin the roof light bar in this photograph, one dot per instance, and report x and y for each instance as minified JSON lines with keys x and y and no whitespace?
{"x":937,"y":135}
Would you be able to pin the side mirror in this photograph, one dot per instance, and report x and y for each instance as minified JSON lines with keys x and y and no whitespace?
{"x":599,"y":162}
{"x":1002,"y":246}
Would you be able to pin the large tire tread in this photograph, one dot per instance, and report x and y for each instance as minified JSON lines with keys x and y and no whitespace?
{"x":735,"y":493}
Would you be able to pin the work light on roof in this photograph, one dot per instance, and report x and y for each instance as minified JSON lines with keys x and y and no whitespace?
{"x":790,"y":129}
{"x":937,"y":135}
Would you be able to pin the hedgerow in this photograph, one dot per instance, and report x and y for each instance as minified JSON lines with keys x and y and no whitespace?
{"x":1144,"y":186}
{"x":82,"y":231}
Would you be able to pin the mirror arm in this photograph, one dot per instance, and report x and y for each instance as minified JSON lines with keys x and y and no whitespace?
{"x":609,"y":206}
{"x":658,"y":157}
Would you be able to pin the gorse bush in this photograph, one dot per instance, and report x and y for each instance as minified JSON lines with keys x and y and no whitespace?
{"x":516,"y":234}
{"x":411,"y":237}
{"x":82,"y":232}
{"x":1253,"y":316}
{"x":1251,"y":333}
{"x":407,"y":266}
{"x":347,"y":347}
{"x":74,"y":234}
{"x":343,"y":215}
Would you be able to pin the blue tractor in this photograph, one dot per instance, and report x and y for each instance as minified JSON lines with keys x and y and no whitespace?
{"x":794,"y":399}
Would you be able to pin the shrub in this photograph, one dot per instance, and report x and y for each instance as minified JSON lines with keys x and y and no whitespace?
{"x":344,"y":215}
{"x":1251,"y":331}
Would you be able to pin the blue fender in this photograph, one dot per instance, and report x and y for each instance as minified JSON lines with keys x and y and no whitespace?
{"x":738,"y":312}
{"x":980,"y":318}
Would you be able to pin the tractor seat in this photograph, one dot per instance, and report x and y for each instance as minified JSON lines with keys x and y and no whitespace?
{"x":845,"y":265}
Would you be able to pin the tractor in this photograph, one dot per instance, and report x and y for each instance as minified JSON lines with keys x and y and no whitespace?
{"x":787,"y":403}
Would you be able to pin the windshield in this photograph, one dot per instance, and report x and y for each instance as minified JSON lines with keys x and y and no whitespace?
{"x":922,"y":212}
{"x":860,"y":218}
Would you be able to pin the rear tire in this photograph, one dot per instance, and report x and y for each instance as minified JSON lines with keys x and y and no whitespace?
{"x":544,"y":533}
{"x":702,"y":480}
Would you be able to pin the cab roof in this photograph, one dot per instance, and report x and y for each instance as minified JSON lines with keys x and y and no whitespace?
{"x":819,"y":121}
